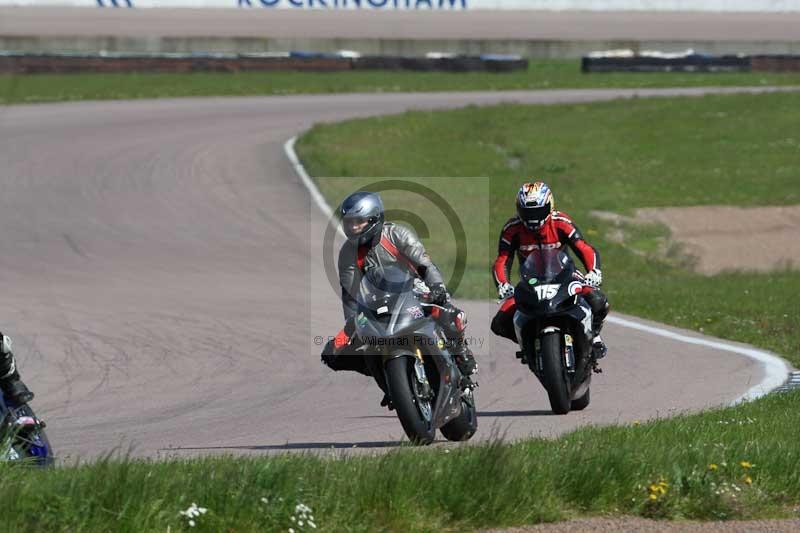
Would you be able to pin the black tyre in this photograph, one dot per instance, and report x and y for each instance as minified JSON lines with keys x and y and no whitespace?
{"x":464,"y":426}
{"x":553,"y":374}
{"x":414,"y":414}
{"x":579,"y":404}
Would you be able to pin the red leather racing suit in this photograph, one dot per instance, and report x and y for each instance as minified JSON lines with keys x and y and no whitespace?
{"x":516,"y":238}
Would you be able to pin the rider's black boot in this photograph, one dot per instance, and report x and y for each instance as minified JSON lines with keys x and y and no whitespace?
{"x":464,"y":359}
{"x":15,"y":390}
{"x":387,"y":402}
{"x":599,"y":348}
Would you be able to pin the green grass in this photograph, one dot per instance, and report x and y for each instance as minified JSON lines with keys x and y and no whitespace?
{"x":592,"y":471}
{"x":615,"y":156}
{"x":542,"y":74}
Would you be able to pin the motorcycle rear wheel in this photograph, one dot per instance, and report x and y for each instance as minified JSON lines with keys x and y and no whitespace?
{"x":464,"y":426}
{"x":579,"y":404}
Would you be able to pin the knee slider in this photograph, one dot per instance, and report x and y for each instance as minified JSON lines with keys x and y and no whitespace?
{"x":497,"y":325}
{"x":328,"y":354}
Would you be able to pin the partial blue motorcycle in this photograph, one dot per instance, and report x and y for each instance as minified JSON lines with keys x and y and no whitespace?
{"x":22,"y":435}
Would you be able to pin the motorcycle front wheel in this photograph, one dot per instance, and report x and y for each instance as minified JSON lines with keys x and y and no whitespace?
{"x":554,"y":375}
{"x":414,"y":411}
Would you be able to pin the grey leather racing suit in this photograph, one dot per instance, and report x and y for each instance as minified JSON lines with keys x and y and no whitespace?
{"x":397,"y":244}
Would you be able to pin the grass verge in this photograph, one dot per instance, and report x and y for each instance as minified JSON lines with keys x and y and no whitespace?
{"x":723,"y":464}
{"x":542,"y":74}
{"x":614,"y":156}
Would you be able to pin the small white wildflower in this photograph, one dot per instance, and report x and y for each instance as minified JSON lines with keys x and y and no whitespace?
{"x":291,"y":530}
{"x":293,"y":519}
{"x":312,"y":524}
{"x":264,"y":500}
{"x":300,"y":523}
{"x":193,"y":512}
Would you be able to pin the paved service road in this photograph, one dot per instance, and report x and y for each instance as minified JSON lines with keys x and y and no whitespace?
{"x":473,"y":25}
{"x":155,"y":272}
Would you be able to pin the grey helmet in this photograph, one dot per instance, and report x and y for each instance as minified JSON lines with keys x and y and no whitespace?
{"x":362,"y":216}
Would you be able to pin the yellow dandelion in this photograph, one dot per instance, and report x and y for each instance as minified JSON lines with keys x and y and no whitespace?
{"x":712,"y":466}
{"x":746,"y":464}
{"x":663,"y":483}
{"x":653,"y":488}
{"x":748,"y":480}
{"x":637,"y":423}
{"x":653,"y":497}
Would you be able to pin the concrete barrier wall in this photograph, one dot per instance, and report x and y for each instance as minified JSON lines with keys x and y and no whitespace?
{"x":765,"y":6}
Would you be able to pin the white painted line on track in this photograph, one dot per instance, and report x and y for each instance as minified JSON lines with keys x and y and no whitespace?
{"x":776,"y":370}
{"x":288,"y":148}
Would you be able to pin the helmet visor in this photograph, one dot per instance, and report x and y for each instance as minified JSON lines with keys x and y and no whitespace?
{"x":355,"y":226}
{"x":534,"y":216}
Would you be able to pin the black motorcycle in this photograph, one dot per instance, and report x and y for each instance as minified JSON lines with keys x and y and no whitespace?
{"x":406,"y":352}
{"x":553,"y":324}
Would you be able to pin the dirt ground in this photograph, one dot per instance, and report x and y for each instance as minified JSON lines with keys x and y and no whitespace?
{"x":631,"y":525}
{"x":729,"y":238}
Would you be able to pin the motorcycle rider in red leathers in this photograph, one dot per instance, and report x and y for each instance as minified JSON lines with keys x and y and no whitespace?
{"x":539,"y":226}
{"x":373,"y":242}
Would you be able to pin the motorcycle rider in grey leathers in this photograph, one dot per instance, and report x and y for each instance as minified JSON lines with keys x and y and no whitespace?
{"x":373,"y":242}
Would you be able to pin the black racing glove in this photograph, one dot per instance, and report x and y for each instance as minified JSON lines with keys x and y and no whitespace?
{"x":439,"y":295}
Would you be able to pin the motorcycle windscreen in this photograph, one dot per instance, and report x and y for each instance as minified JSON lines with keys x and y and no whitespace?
{"x":386,"y":302}
{"x":545,"y":265}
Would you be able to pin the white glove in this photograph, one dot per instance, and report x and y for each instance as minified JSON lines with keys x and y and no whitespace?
{"x":594,"y":277}
{"x":505,"y":290}
{"x":420,"y":287}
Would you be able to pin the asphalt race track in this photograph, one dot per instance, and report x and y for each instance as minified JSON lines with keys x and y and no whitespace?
{"x":157,"y":269}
